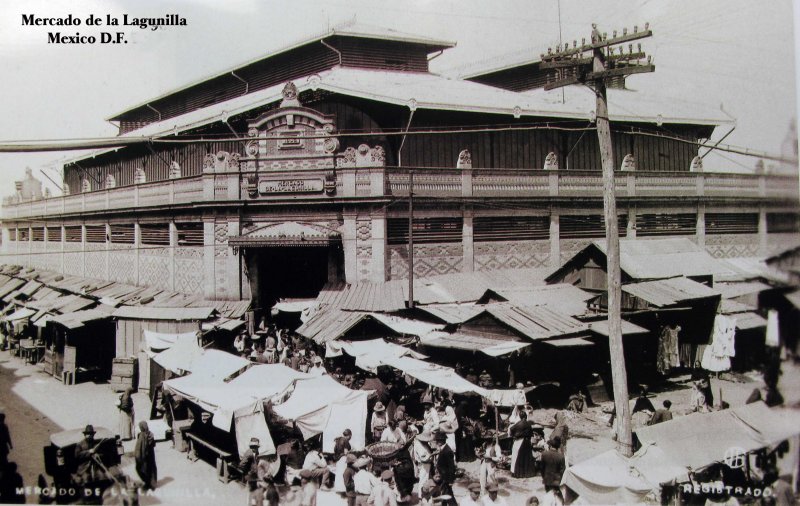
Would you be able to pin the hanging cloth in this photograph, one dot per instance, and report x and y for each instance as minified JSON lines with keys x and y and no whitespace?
{"x":773,"y":334}
{"x":717,"y":356}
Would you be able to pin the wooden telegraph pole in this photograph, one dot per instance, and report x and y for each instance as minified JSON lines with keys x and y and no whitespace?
{"x":573,"y":68}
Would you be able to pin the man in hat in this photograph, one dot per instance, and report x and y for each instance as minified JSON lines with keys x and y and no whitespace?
{"x":84,"y":456}
{"x":492,"y":498}
{"x":364,"y":481}
{"x":316,"y":464}
{"x":249,"y":461}
{"x":384,"y":494}
{"x":553,"y":465}
{"x":317,"y":367}
{"x":474,"y":497}
{"x":379,"y":421}
{"x":423,"y":456}
{"x":341,"y":444}
{"x":349,"y":482}
{"x":445,"y":463}
{"x":270,"y":351}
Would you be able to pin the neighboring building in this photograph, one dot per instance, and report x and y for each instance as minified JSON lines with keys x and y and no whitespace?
{"x":308,"y":179}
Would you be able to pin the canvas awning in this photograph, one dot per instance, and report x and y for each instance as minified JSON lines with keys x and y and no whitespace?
{"x":19,"y":314}
{"x":469,"y":342}
{"x":181,"y":355}
{"x":698,"y":440}
{"x":610,"y":478}
{"x":601,"y":327}
{"x":569,"y":342}
{"x":294,"y":306}
{"x":158,"y":341}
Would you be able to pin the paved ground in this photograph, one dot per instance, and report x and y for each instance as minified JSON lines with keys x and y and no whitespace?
{"x":37,"y":405}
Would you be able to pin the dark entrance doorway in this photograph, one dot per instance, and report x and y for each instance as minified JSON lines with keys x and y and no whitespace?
{"x":291,"y":272}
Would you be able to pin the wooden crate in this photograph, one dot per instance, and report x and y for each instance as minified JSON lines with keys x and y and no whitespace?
{"x":125,"y":367}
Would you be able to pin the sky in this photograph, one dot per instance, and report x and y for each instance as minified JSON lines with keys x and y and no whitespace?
{"x":734,"y":54}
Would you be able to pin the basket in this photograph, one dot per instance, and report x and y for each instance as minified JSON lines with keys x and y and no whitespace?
{"x":383,"y":452}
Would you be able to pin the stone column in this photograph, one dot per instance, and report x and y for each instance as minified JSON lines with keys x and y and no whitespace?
{"x":378,"y":271}
{"x":63,"y":266}
{"x":208,"y":258}
{"x":701,"y":225}
{"x":555,"y":239}
{"x":83,"y":251}
{"x":137,"y":251}
{"x":350,"y":250}
{"x":631,"y":227}
{"x":468,"y":239}
{"x":173,"y":244}
{"x":763,"y":237}
{"x":233,"y":271}
{"x":108,"y":252}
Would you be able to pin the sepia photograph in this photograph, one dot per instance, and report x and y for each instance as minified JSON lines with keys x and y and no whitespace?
{"x":397,"y":253}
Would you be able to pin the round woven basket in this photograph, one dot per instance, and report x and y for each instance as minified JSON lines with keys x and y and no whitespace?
{"x":383,"y":452}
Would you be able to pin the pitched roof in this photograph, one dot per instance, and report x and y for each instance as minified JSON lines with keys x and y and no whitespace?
{"x":668,"y":292}
{"x":452,"y":313}
{"x":564,"y":297}
{"x":330,"y":325}
{"x":536,"y":322}
{"x":163,"y":313}
{"x":643,"y":259}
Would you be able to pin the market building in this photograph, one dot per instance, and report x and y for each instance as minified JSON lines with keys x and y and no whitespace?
{"x":282,"y":174}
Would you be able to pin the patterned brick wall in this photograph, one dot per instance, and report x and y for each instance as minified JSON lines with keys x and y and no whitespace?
{"x":732,"y":245}
{"x":429,"y":260}
{"x":511,"y":254}
{"x":154,"y":268}
{"x":189,"y":269}
{"x":122,"y":264}
{"x":95,"y":261}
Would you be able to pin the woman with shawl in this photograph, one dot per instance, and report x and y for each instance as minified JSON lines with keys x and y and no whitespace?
{"x":561,"y":431}
{"x":125,"y":406}
{"x":522,"y":463}
{"x":146,"y":457}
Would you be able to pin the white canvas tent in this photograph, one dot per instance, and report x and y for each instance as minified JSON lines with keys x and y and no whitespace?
{"x":321,"y":405}
{"x":371,"y":354}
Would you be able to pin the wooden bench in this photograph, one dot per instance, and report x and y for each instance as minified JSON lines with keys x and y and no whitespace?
{"x":223,"y":457}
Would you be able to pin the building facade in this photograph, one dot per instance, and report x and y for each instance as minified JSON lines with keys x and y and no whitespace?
{"x":272,"y":179}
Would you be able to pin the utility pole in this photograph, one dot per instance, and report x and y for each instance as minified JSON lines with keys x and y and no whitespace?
{"x":410,"y":238}
{"x":573,"y":68}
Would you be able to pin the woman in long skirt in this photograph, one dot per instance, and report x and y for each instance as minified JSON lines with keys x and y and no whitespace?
{"x":146,"y":457}
{"x":126,"y":414}
{"x":522,"y":463}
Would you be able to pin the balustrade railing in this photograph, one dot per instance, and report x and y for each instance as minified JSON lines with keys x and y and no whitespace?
{"x":445,"y":182}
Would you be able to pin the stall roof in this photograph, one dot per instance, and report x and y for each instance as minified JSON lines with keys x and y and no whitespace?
{"x":564,"y":297}
{"x":163,"y":313}
{"x":10,"y":286}
{"x":226,"y":308}
{"x":453,"y":313}
{"x":79,"y":318}
{"x":669,"y":292}
{"x":750,"y":268}
{"x":330,"y":324}
{"x":19,"y":314}
{"x":463,"y":341}
{"x":384,"y":297}
{"x":405,"y":325}
{"x":653,"y":259}
{"x":749,"y":321}
{"x":223,"y":324}
{"x":733,"y":289}
{"x":536,"y":322}
{"x":700,"y":439}
{"x":601,"y":327}
{"x":569,"y":342}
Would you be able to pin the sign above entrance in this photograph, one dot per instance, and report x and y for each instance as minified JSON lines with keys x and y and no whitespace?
{"x":290,"y":186}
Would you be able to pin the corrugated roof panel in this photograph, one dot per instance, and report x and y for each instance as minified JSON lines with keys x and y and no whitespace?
{"x":163,"y":313}
{"x":536,"y":322}
{"x":453,"y":313}
{"x":564,"y":297}
{"x":668,"y":292}
{"x":665,"y":258}
{"x":330,"y":325}
{"x":10,"y":286}
{"x":569,"y":342}
{"x":733,"y":289}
